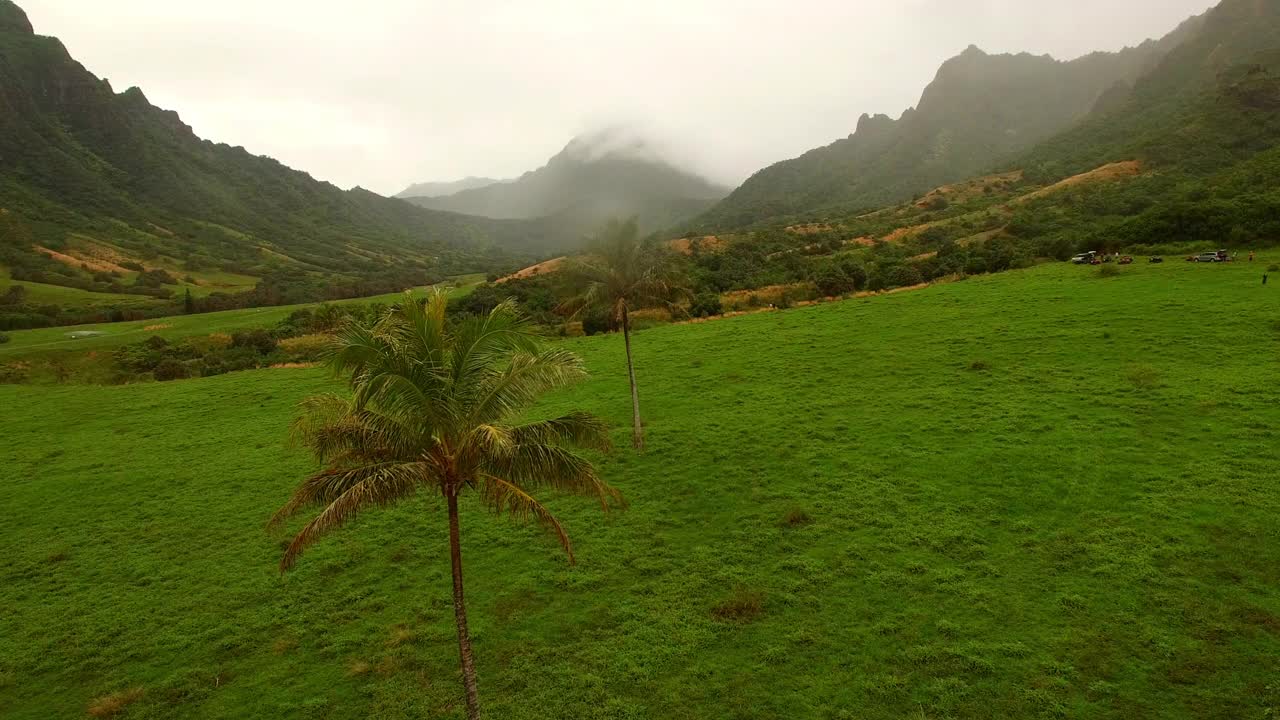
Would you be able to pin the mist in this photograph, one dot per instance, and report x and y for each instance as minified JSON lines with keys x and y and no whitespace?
{"x":391,"y":92}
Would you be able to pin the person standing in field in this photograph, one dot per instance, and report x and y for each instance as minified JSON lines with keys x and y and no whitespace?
{"x":1250,"y":256}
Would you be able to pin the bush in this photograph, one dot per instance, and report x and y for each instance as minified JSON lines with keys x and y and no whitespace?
{"x":306,"y":347}
{"x":3,"y":338}
{"x":1144,"y":377}
{"x":260,"y":340}
{"x":1273,"y":268}
{"x":596,"y":322}
{"x":833,"y":282}
{"x":796,"y":517}
{"x":170,"y":369}
{"x":706,"y":305}
{"x":1108,"y":271}
{"x":742,"y":605}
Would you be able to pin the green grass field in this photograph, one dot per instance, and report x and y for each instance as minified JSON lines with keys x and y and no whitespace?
{"x":42,"y":340}
{"x":1037,"y":494}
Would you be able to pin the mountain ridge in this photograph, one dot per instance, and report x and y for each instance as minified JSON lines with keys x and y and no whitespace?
{"x":978,"y":109}
{"x":81,"y":163}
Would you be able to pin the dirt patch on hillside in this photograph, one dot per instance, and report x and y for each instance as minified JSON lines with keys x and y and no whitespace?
{"x":1106,"y":173}
{"x":541,"y":268}
{"x":77,"y":260}
{"x":161,"y":326}
{"x":970,"y":189}
{"x":706,"y":243}
{"x":810,"y":228}
{"x":294,"y":365}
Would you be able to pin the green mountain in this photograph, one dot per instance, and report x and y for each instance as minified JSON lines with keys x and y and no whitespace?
{"x":978,"y":110}
{"x":441,"y":189}
{"x":606,"y":174}
{"x":90,"y":174}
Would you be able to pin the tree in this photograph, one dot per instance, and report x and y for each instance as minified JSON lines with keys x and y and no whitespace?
{"x":622,"y":273}
{"x":188,"y":304}
{"x":430,"y":411}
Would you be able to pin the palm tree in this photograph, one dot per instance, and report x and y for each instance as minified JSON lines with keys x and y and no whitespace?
{"x":622,"y":273}
{"x":431,"y":409}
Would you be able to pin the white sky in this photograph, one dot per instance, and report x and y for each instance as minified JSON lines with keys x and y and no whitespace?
{"x":382,"y":93}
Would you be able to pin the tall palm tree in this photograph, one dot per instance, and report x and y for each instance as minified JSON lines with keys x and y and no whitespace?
{"x":431,"y":410}
{"x":622,"y":273}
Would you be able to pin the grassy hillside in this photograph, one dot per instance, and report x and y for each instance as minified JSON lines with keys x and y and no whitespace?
{"x":103,"y":178}
{"x":23,"y":343}
{"x":1042,"y":493}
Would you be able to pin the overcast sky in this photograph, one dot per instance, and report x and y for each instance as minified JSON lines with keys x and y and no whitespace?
{"x":382,"y":93}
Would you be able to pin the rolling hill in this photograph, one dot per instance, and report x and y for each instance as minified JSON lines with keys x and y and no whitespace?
{"x":441,"y":189}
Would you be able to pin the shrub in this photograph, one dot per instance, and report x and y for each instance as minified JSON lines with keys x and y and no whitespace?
{"x":743,"y":605}
{"x":706,"y":305}
{"x":3,"y":338}
{"x":109,"y":706}
{"x":979,"y":366}
{"x":833,"y":282}
{"x":1108,"y":271}
{"x":796,"y":517}
{"x":306,"y":347}
{"x":1144,"y":377}
{"x":170,"y":369}
{"x":1273,"y":268}
{"x":260,"y":340}
{"x":596,"y":322}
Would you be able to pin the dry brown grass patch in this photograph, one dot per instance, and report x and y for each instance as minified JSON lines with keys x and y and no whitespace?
{"x":160,"y":326}
{"x":743,"y":605}
{"x":541,"y":268}
{"x":109,"y":706}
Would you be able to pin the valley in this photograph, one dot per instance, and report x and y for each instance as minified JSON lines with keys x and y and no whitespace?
{"x":848,"y":438}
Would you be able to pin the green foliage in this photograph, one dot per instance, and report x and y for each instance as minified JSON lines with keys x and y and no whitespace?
{"x":705,"y":304}
{"x":3,"y":338}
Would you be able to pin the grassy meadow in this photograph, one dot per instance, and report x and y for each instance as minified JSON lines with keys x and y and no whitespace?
{"x":1043,"y":493}
{"x":54,"y":339}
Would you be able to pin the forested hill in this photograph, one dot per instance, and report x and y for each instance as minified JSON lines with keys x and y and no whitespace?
{"x":84,"y":169}
{"x":609,"y":173}
{"x":1213,"y":101}
{"x":979,"y":109}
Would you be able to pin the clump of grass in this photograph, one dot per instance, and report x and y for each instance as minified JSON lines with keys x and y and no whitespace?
{"x":283,"y":645}
{"x":1108,"y":271}
{"x":109,"y":706}
{"x":1273,"y":268}
{"x":796,"y":517}
{"x":358,"y":668}
{"x":742,"y":605}
{"x":1144,"y":377}
{"x":979,"y":366}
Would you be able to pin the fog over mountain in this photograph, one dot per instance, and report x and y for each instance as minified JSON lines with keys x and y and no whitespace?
{"x":391,"y":92}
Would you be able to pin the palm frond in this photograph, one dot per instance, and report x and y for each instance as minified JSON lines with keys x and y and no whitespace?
{"x":579,"y":429}
{"x":527,"y":376}
{"x":347,"y":492}
{"x":505,"y":497}
{"x":536,"y":465}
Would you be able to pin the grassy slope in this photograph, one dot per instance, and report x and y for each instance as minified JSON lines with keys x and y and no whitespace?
{"x":24,"y":342}
{"x":1042,"y":538}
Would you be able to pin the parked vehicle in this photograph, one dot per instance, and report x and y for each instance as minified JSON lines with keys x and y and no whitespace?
{"x":1084,"y":258}
{"x":1126,"y":260}
{"x":1156,"y":259}
{"x":1210,"y":257}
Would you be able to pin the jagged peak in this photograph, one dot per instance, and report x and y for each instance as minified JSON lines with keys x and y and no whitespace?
{"x":13,"y":18}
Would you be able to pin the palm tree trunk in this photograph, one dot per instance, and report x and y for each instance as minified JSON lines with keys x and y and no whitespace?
{"x":637,"y":430}
{"x":460,"y":611}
